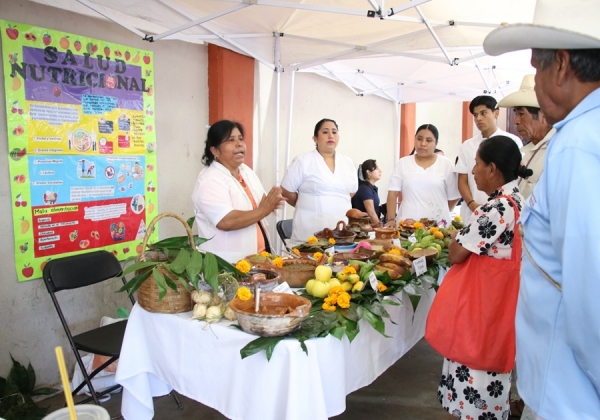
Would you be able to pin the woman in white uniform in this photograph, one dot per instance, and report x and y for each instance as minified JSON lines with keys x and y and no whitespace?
{"x":319,"y":184}
{"x":229,"y":200}
{"x":427,"y":182}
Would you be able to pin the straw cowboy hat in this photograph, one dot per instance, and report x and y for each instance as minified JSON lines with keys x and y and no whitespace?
{"x":525,"y":96}
{"x":557,"y":24}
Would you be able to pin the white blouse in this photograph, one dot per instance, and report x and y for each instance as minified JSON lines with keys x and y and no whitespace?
{"x":425,"y":192}
{"x":323,"y":196}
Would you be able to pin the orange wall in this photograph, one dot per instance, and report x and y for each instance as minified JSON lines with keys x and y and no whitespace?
{"x":231,"y":90}
{"x":408,"y":118}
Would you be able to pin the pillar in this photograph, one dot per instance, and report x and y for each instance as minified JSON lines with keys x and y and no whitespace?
{"x":467,"y":122}
{"x":408,"y":118}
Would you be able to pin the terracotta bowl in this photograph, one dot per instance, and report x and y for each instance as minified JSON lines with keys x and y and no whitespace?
{"x":386,"y":233}
{"x":267,"y":279}
{"x":345,"y":256}
{"x":300,"y":276}
{"x":279,"y":314}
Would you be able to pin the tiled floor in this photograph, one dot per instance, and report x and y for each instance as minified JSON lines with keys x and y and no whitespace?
{"x":407,"y":390}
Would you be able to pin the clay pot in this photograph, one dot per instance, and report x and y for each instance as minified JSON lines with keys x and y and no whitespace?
{"x":386,"y":233}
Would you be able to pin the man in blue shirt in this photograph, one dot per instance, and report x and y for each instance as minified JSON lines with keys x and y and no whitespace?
{"x":558,"y":314}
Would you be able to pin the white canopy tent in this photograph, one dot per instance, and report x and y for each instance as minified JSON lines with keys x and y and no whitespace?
{"x":403,"y":51}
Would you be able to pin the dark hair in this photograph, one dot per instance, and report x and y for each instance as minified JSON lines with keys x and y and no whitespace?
{"x":217,"y":134}
{"x":505,"y":154}
{"x":585,"y":62}
{"x":535,"y":112}
{"x":488,"y":101}
{"x":367,"y":165}
{"x":320,"y":123}
{"x":431,"y":128}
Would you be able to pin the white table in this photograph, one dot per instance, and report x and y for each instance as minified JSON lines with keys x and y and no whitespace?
{"x":162,"y":351}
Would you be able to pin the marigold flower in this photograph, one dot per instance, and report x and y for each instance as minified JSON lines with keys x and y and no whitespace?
{"x":296,"y":251}
{"x":278,"y":262}
{"x":312,"y":240}
{"x":331,"y":300}
{"x":336,"y":290}
{"x":381,"y":287}
{"x":317,"y":255}
{"x":243,"y":265}
{"x":394,"y":251}
{"x":265,"y":254}
{"x":332,"y":241}
{"x":349,"y":270}
{"x":244,"y":293}
{"x":418,"y":225}
{"x":328,"y":307}
{"x":343,"y":300}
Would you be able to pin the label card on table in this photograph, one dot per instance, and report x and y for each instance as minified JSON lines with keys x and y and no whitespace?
{"x":371,"y":235}
{"x":396,"y":242}
{"x":373,"y":281}
{"x":283,"y":288}
{"x":419,"y":266}
{"x":329,"y":251}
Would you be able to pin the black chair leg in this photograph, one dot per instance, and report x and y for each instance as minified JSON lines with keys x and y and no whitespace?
{"x":179,"y":405}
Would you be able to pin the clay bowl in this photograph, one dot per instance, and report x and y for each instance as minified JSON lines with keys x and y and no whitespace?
{"x":279,"y":314}
{"x":297,"y":272}
{"x":386,"y":233}
{"x":266,"y":279}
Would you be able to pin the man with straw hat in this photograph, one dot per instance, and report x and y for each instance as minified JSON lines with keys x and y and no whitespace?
{"x":558,"y":315}
{"x":531,"y":125}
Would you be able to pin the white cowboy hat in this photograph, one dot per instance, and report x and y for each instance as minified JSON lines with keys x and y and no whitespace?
{"x":525,"y":96}
{"x":557,"y":24}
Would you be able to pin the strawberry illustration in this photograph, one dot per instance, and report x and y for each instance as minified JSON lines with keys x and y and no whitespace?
{"x":106,"y":51}
{"x":146,"y":59}
{"x":127,"y":55}
{"x":47,"y":39}
{"x":77,"y":45}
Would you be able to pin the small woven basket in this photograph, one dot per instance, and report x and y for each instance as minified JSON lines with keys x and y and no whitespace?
{"x":148,"y":292}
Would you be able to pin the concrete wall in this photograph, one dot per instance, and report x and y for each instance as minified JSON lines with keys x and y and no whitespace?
{"x":30,"y":328}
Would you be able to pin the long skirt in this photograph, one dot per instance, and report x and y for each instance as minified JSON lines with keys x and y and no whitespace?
{"x":471,"y":394}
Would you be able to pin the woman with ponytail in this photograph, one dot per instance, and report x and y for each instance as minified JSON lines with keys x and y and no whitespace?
{"x":367,"y":198}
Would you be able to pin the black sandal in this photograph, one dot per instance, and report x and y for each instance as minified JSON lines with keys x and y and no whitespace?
{"x":516,"y":409}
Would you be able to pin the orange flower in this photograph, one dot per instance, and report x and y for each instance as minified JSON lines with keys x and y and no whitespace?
{"x":349,"y":270}
{"x":381,"y":287}
{"x":265,"y":254}
{"x":328,"y":307}
{"x":312,"y":240}
{"x":244,"y":293}
{"x":317,"y":255}
{"x":418,"y":225}
{"x":278,"y":262}
{"x":336,"y":290}
{"x":331,"y":300}
{"x":332,"y":241}
{"x":343,"y":300}
{"x":243,"y":265}
{"x":394,"y":251}
{"x":296,"y":251}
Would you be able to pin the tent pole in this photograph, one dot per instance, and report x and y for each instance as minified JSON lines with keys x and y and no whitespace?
{"x":288,"y":140}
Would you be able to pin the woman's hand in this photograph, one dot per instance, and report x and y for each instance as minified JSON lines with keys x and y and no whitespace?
{"x":272,"y":201}
{"x":391,"y":223}
{"x":291,"y":197}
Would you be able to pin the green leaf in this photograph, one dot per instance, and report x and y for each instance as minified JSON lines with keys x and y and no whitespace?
{"x":134,"y":284}
{"x":160,"y":282}
{"x":45,"y":391}
{"x":414,"y":300}
{"x":180,"y":262}
{"x":375,"y":320}
{"x":338,"y":332}
{"x":190,"y":221}
{"x":122,"y":312}
{"x":169,"y":281}
{"x":193,"y":268}
{"x":350,"y":313}
{"x":20,"y":377}
{"x":211,"y":271}
{"x":262,"y":343}
{"x":364,"y":271}
{"x":183,"y":280}
{"x":140,"y":266}
{"x":352,"y":328}
{"x":377,"y":308}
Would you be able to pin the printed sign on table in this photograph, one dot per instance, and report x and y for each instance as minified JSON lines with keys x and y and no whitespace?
{"x":82,"y":148}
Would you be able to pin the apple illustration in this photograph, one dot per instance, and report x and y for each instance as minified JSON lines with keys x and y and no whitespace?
{"x":146,"y":59}
{"x":12,"y":32}
{"x":126,"y":250}
{"x":150,"y":168}
{"x":18,"y":130}
{"x":46,"y":39}
{"x":77,"y":45}
{"x":56,"y":91}
{"x":84,"y":243}
{"x":27,"y":271}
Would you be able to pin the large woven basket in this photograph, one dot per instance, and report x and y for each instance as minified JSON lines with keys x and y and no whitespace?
{"x":148,"y":293}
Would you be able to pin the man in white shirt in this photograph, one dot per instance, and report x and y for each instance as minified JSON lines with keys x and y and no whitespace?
{"x":485,"y":115}
{"x":531,"y":125}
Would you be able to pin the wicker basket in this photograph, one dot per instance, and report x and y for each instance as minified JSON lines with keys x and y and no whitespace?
{"x":148,"y":292}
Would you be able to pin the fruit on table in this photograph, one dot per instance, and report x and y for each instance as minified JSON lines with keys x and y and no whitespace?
{"x":347,"y":286}
{"x":334,"y":282}
{"x":395,"y":259}
{"x":323,"y":273}
{"x":309,"y":286}
{"x":353,"y":278}
{"x":341,"y":276}
{"x":358,"y":286}
{"x":320,"y":289}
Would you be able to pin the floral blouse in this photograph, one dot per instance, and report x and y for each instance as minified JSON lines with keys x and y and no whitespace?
{"x":491,"y":228}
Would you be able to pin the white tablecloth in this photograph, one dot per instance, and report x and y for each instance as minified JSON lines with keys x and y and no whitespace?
{"x":163,"y":351}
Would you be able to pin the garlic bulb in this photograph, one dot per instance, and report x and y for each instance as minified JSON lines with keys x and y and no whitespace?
{"x":200,"y":311}
{"x":229,"y":314}
{"x":201,"y":296}
{"x":214,"y":313}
